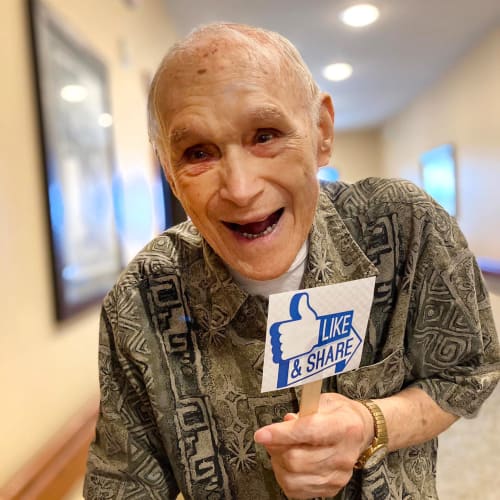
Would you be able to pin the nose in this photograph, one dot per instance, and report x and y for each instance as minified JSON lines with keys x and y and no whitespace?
{"x":241,"y":183}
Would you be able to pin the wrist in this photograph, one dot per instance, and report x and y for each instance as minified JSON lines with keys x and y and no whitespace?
{"x":368,"y":428}
{"x":377,"y":449}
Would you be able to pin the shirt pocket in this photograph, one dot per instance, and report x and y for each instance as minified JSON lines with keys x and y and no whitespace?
{"x":379,"y":380}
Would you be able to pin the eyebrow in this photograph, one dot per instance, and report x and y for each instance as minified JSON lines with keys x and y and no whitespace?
{"x":267,"y":112}
{"x":177,"y":135}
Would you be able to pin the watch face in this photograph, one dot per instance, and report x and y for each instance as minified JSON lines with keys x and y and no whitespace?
{"x":378,"y":455}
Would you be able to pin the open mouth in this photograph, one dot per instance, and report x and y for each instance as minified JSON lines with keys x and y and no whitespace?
{"x":254,"y":230}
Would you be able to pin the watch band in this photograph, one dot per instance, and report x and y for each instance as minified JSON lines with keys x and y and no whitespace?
{"x":380,"y":439}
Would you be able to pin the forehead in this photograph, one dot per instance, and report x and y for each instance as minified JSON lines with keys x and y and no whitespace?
{"x":223,"y":66}
{"x":212,"y":50}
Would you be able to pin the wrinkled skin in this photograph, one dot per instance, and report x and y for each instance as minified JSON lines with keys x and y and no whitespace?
{"x":241,"y":152}
{"x":314,"y":456}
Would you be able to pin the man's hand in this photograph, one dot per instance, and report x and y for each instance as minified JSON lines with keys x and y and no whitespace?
{"x":315,"y":455}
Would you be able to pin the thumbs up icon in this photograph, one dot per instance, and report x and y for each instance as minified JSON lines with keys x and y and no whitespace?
{"x":298,"y":335}
{"x":313,"y":333}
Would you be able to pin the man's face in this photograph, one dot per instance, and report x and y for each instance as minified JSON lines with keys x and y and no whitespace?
{"x":242,"y":155}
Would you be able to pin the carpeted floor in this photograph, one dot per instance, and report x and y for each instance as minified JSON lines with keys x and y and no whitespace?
{"x":469,"y":456}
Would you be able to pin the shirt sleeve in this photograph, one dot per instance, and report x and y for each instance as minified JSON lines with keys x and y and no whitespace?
{"x":126,"y":459}
{"x":451,"y":342}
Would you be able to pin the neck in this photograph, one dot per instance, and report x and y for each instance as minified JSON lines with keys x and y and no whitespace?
{"x":289,"y":280}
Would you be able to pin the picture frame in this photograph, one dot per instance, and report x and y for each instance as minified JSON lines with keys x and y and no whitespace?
{"x":75,"y":124}
{"x":438,"y":171}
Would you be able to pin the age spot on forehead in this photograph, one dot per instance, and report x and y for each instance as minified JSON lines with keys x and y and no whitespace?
{"x":201,"y":71}
{"x":211,"y":50}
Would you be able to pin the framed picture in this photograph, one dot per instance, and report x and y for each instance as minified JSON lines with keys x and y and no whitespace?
{"x":76,"y":139}
{"x":439,"y":176}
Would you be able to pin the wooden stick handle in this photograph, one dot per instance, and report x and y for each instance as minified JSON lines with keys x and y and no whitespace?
{"x":309,"y":400}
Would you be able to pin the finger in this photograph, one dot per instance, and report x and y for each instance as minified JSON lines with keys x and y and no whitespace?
{"x":312,"y":430}
{"x":331,"y":401}
{"x":306,"y":459}
{"x":306,"y":485}
{"x":314,"y":459}
{"x":281,"y":434}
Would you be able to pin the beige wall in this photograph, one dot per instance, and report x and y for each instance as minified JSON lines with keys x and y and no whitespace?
{"x":48,"y":370}
{"x":462,"y":108}
{"x":356,"y":154}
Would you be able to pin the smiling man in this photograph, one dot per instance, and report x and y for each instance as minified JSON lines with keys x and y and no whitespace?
{"x":242,"y":154}
{"x":241,"y":129}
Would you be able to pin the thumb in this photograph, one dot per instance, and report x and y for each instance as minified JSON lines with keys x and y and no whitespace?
{"x":282,"y":433}
{"x":303,"y":310}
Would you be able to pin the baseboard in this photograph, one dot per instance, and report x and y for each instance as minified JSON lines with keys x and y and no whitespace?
{"x":59,"y":465}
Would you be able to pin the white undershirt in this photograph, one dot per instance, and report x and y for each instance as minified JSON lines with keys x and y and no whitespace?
{"x":290,"y":280}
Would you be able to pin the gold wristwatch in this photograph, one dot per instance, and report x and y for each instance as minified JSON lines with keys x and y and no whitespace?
{"x":378,"y":449}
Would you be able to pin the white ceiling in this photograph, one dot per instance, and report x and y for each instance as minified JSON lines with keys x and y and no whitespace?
{"x":411,"y":45}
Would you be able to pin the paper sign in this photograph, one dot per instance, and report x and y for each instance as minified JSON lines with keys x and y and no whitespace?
{"x":315,"y":333}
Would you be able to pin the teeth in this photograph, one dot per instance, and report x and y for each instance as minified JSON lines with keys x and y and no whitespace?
{"x":268,"y":230}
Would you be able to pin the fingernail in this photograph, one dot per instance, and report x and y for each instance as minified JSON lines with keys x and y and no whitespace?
{"x":263,"y":436}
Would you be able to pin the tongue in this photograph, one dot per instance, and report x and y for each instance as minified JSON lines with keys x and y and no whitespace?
{"x":255,"y":227}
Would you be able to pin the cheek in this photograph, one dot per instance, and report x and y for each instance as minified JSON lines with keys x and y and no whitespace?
{"x":307,"y":195}
{"x":308,"y":176}
{"x":194,"y":197}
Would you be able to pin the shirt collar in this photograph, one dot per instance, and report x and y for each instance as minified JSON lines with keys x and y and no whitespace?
{"x":334,"y":255}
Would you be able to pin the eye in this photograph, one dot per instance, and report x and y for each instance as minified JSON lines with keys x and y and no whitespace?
{"x":263,"y":136}
{"x":196,"y":154}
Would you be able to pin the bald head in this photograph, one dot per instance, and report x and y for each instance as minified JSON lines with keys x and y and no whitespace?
{"x":236,"y":50}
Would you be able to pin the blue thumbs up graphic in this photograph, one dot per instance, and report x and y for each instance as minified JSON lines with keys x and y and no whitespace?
{"x":309,"y":343}
{"x":293,"y":337}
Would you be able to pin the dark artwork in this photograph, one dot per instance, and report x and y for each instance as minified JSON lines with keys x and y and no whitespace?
{"x":76,"y":142}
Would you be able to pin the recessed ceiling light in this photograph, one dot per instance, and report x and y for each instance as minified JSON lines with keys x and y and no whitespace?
{"x":360,"y":15}
{"x":105,"y":120}
{"x":74,"y":93}
{"x":337,"y":72}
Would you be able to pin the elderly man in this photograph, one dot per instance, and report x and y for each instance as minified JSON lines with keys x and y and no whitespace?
{"x":241,"y":128}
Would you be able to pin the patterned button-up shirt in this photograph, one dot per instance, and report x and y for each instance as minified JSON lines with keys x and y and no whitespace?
{"x":181,"y":351}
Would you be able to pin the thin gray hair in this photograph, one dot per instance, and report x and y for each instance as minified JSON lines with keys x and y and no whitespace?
{"x":290,"y":61}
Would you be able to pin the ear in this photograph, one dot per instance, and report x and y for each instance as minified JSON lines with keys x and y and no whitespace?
{"x":325,"y":130}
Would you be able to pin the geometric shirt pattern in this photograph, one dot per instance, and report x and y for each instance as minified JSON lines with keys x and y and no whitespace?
{"x":181,"y":351}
